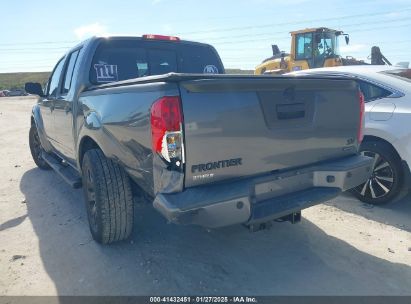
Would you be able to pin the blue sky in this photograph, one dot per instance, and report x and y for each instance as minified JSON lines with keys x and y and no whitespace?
{"x":34,"y":34}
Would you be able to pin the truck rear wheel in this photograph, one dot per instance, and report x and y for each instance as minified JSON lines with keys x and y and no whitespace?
{"x":36,"y":149}
{"x":108,"y":198}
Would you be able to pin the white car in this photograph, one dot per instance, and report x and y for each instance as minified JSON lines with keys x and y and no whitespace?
{"x":387,"y":134}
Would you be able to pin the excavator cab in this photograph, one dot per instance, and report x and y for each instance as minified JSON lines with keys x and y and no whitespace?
{"x":310,"y":48}
{"x":315,"y":48}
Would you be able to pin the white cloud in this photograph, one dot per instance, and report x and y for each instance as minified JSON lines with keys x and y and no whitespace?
{"x":90,"y":30}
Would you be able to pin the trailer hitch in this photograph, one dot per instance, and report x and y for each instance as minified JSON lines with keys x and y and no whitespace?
{"x":293,"y":218}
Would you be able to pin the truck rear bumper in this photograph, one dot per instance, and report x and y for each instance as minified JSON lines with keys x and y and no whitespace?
{"x":263,"y":198}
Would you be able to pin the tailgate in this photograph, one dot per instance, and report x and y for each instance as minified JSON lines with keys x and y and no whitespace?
{"x":248,"y":126}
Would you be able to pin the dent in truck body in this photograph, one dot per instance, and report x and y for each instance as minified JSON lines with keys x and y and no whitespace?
{"x":118,"y":120}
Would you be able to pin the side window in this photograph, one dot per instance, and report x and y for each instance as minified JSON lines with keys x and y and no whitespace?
{"x":69,"y":72}
{"x":303,"y":47}
{"x":55,"y":79}
{"x":322,"y":45}
{"x":372,"y":92}
{"x":46,"y":87}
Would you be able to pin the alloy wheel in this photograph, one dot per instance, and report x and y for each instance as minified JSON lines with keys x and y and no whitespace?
{"x":381,"y":180}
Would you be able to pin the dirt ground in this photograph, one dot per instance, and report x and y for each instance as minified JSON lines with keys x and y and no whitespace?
{"x":343,"y":247}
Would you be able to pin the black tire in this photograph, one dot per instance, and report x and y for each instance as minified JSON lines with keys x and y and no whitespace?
{"x":386,"y":181}
{"x":36,"y":149}
{"x":108,"y":198}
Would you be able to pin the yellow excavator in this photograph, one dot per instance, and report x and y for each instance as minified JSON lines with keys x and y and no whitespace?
{"x":310,"y":48}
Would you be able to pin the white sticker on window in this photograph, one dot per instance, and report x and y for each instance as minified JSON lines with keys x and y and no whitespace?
{"x":106,"y":72}
{"x":210,"y":69}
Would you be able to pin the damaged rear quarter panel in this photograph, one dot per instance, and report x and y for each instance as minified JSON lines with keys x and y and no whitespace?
{"x":118,"y":120}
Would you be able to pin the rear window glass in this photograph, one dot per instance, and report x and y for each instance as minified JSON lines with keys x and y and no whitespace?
{"x":162,"y":61}
{"x":199,"y":60}
{"x":404,"y":74}
{"x":126,"y":59}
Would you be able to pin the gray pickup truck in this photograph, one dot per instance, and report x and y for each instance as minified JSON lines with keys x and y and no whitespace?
{"x":155,"y":114}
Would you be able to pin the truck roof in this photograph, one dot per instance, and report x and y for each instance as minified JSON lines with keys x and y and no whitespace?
{"x":124,"y":37}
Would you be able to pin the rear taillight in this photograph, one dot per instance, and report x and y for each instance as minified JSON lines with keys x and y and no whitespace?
{"x":360,"y":134}
{"x":166,"y":129}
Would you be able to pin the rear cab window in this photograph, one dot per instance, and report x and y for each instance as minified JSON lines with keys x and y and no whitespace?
{"x":123,"y":59}
{"x":162,"y":61}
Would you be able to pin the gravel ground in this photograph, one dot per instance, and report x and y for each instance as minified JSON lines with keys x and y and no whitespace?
{"x":343,"y":247}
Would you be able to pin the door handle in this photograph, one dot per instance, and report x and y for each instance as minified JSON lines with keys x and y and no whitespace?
{"x":291,"y":111}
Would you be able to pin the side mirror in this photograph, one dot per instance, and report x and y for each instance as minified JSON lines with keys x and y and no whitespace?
{"x":347,"y":39}
{"x":34,"y":88}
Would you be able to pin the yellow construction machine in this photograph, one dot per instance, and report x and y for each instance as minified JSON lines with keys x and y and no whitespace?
{"x":310,"y":48}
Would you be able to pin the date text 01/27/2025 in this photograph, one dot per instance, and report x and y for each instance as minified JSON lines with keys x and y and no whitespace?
{"x":203,"y":299}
